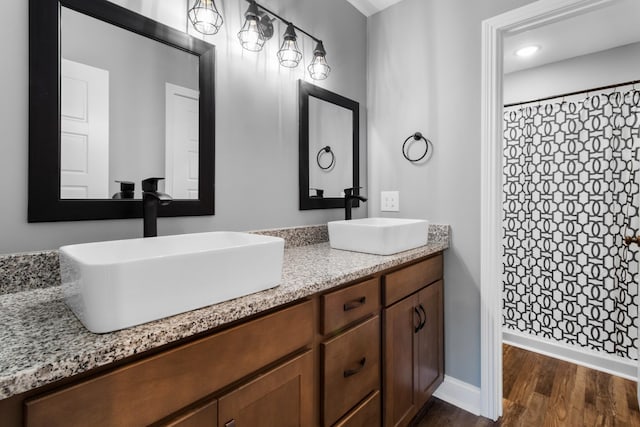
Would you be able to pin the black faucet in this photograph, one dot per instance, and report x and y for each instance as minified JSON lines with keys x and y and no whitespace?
{"x":151,"y":199}
{"x":349,"y":197}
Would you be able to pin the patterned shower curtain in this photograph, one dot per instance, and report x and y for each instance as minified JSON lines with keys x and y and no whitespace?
{"x":570,"y":195}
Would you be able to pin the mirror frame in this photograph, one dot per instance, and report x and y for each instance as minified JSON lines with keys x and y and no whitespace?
{"x":305,"y":90}
{"x":45,"y":204}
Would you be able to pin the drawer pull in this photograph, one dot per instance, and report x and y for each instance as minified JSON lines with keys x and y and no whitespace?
{"x":360,"y":367}
{"x":350,"y":305}
{"x":424,"y":314}
{"x":231,"y":423}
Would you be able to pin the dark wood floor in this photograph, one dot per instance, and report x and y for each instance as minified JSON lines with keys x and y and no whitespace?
{"x":542,"y":391}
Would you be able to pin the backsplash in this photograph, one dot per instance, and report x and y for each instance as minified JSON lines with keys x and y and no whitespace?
{"x":37,"y":270}
{"x":298,"y":236}
{"x":27,"y":271}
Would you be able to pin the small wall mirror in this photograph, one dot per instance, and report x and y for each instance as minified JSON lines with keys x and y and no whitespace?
{"x":116,"y":97}
{"x":329,"y":147}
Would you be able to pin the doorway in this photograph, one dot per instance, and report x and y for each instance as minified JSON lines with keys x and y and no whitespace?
{"x":495,"y":30}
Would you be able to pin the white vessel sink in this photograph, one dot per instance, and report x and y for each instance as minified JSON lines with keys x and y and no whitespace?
{"x":118,"y":284}
{"x":380,"y":236}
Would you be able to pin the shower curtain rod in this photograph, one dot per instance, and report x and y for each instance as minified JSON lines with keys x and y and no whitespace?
{"x":595,"y":89}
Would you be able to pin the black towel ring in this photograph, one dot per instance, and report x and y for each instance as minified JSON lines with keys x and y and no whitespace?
{"x":326,"y":149}
{"x":416,"y":136}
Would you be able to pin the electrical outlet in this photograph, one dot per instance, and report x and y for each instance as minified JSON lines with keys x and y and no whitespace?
{"x":390,"y":201}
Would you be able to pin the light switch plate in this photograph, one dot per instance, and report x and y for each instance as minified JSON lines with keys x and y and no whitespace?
{"x":390,"y":201}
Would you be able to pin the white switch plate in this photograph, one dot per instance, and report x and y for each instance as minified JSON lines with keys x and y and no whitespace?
{"x":390,"y":201}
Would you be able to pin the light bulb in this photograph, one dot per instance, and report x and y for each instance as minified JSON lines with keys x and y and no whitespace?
{"x":527,"y":51}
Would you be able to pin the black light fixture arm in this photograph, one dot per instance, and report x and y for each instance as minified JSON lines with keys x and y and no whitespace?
{"x":286,"y":22}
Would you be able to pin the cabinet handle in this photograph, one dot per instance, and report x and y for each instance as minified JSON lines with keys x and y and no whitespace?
{"x":231,"y":423}
{"x":628,"y":240}
{"x":350,"y":305}
{"x":424,"y":313}
{"x":360,"y":367}
{"x":417,"y":328}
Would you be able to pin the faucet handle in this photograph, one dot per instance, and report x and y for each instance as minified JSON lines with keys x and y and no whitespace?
{"x":349,"y":191}
{"x":126,"y":185}
{"x":150,"y":184}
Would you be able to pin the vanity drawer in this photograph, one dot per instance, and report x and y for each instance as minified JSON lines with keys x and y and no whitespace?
{"x":151,"y":389}
{"x":342,"y":307}
{"x":367,"y":413}
{"x":408,"y":280}
{"x":351,"y":369}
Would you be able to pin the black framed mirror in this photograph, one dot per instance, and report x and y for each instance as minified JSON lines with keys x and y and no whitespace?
{"x":148,"y":102}
{"x":329,"y":140}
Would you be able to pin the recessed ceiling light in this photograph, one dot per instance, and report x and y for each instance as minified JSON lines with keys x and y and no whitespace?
{"x":527,"y":51}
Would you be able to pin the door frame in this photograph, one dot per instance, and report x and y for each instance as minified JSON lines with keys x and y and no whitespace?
{"x":525,"y":18}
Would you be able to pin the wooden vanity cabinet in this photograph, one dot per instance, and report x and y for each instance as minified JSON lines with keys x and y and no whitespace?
{"x":149,"y":390}
{"x":413,"y":336}
{"x":362,"y":355}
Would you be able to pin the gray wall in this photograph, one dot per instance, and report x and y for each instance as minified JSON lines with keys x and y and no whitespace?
{"x":256,"y":118}
{"x":424,"y":68}
{"x":607,"y":67}
{"x":138,"y":70}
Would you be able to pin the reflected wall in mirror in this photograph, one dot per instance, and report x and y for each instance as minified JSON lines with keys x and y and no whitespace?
{"x":127,"y":101}
{"x":329,"y":147}
{"x":136,"y":100}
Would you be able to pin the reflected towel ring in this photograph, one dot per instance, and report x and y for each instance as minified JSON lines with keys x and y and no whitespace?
{"x":326,"y":149}
{"x":417,"y":137}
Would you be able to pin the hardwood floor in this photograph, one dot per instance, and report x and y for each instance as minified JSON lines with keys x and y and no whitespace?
{"x":542,"y":391}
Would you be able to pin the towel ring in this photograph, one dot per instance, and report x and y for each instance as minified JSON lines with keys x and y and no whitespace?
{"x":417,"y":137}
{"x":323,"y":150}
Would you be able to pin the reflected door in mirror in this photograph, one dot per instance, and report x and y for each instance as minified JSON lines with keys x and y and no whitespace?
{"x":84,"y":128}
{"x":181,"y":178}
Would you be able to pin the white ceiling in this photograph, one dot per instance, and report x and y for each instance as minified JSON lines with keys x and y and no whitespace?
{"x":603,"y":29}
{"x":369,"y":7}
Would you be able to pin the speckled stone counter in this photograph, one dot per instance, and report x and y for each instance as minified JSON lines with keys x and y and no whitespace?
{"x":42,"y":341}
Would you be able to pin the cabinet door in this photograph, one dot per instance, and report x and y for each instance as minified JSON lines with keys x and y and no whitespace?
{"x":203,"y":416}
{"x":400,"y":347}
{"x":282,"y":397}
{"x":430,"y":341}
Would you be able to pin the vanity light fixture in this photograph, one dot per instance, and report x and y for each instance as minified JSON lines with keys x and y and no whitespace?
{"x":319,"y":69}
{"x":251,"y":35}
{"x":527,"y":51}
{"x":258,"y":28}
{"x":289,"y":54}
{"x":204,"y":17}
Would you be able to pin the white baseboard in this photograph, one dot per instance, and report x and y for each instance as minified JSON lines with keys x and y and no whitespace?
{"x":460,"y":394}
{"x":614,"y":365}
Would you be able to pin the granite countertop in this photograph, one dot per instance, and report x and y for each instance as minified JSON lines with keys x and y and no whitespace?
{"x":42,"y":341}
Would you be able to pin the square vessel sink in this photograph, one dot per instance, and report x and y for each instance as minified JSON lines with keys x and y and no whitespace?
{"x":122,"y":283}
{"x":380,"y":236}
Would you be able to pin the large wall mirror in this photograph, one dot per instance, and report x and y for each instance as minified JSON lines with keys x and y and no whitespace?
{"x":115,"y":96}
{"x":329,"y":147}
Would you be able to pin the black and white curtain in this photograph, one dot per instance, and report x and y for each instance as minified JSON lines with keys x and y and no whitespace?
{"x":570,"y":197}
